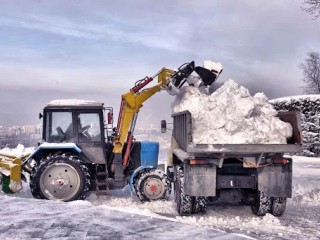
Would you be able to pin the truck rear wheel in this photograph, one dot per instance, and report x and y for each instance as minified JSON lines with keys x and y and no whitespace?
{"x":60,"y":176}
{"x":153,"y":185}
{"x":184,"y":202}
{"x":278,"y":206}
{"x":200,"y":204}
{"x":262,"y":204}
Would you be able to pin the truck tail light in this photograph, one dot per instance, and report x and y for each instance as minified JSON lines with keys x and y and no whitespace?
{"x":197,"y":161}
{"x":281,"y":160}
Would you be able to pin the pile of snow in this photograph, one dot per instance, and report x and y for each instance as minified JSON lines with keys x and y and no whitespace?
{"x":19,"y":151}
{"x":244,"y":223}
{"x":126,"y":201}
{"x":230,"y":115}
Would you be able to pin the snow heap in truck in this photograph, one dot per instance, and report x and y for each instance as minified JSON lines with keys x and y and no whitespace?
{"x":230,"y":115}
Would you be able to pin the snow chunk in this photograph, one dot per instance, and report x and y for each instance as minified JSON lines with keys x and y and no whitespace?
{"x":230,"y":115}
{"x":19,"y":151}
{"x":208,"y":64}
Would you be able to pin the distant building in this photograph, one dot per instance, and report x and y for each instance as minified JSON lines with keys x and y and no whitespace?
{"x":27,"y":135}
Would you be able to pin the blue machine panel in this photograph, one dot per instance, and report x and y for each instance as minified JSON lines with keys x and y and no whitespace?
{"x":149,"y":154}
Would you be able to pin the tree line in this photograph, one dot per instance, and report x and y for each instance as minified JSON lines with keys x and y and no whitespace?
{"x":310,"y":66}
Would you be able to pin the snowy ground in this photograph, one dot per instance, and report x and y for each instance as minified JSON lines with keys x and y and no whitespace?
{"x":26,"y":218}
{"x":122,"y":216}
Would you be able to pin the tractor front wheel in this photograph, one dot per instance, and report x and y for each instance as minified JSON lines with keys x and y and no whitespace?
{"x":152,"y":185}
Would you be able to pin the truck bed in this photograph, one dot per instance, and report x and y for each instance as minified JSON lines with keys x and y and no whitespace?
{"x":182,"y":133}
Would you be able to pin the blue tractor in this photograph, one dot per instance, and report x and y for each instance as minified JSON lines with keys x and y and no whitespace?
{"x":77,"y":156}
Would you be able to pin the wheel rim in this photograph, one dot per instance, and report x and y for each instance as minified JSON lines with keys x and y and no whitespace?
{"x":60,"y":181}
{"x":153,"y":188}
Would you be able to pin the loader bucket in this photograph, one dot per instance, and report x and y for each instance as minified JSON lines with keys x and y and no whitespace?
{"x":10,"y":169}
{"x":207,"y":76}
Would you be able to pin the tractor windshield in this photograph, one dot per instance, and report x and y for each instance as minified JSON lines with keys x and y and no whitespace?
{"x":59,"y":127}
{"x":89,"y":127}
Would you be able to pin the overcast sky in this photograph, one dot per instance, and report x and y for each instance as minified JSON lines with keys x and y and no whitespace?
{"x":96,"y":50}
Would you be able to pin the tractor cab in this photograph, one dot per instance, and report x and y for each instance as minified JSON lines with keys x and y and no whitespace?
{"x":73,"y":157}
{"x":79,"y":122}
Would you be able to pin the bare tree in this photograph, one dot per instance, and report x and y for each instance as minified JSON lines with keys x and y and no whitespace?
{"x":311,"y":72}
{"x":312,"y":7}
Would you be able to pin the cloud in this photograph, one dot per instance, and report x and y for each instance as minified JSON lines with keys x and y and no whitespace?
{"x":108,"y":30}
{"x":56,"y":25}
{"x":245,"y":31}
{"x":68,"y":79}
{"x":21,"y":105}
{"x":103,"y":47}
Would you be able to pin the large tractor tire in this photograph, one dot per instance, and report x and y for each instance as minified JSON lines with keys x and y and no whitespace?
{"x":184,"y":202}
{"x":278,"y":206}
{"x":61,"y":177}
{"x":152,"y":185}
{"x":262,"y":204}
{"x":200,"y":204}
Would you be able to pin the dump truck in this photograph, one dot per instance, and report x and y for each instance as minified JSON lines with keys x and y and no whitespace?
{"x":82,"y":151}
{"x":255,"y":174}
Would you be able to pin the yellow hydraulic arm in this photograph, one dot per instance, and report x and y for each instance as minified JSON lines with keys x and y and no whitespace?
{"x":131,"y":102}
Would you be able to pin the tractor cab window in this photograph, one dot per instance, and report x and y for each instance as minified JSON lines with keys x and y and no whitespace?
{"x":89,"y":127}
{"x":59,"y":127}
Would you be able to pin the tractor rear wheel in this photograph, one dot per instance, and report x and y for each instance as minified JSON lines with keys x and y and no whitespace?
{"x":152,"y":185}
{"x":60,"y":176}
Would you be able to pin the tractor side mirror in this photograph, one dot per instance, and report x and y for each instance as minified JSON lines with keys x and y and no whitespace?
{"x":109,"y":115}
{"x":163,"y":126}
{"x":40,"y":115}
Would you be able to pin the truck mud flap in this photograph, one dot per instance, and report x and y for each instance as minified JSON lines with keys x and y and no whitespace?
{"x":276,"y":180}
{"x":200,"y":180}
